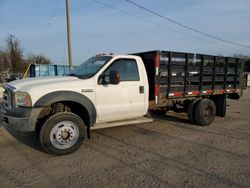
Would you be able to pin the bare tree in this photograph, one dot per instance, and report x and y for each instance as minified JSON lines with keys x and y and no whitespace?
{"x":4,"y":61}
{"x":12,"y":59}
{"x":41,"y":59}
{"x":247,"y":65}
{"x":15,"y":54}
{"x":247,"y":61}
{"x":37,"y":59}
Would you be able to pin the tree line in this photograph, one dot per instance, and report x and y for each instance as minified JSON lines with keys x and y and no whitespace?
{"x":13,"y":60}
{"x":246,"y":61}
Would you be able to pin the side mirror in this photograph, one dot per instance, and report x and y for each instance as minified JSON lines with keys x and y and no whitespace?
{"x":103,"y":79}
{"x":114,"y":77}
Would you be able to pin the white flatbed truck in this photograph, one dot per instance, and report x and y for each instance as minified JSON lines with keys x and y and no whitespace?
{"x":113,"y":90}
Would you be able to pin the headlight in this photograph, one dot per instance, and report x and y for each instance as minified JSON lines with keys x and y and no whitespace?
{"x":22,"y":99}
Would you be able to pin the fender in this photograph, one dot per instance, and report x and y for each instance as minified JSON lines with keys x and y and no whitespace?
{"x":58,"y":96}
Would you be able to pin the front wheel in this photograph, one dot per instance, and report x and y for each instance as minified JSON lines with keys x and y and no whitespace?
{"x":62,"y":133}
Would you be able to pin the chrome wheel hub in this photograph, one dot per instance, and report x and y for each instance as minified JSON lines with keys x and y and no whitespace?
{"x":64,"y":134}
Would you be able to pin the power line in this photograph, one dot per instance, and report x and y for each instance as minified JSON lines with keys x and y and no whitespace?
{"x":146,"y":20}
{"x":51,"y":19}
{"x":53,"y":14}
{"x":187,"y":27}
{"x":157,"y":24}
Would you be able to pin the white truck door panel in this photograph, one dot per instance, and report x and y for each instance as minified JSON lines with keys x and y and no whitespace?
{"x":112,"y":102}
{"x":124,"y":100}
{"x":136,"y":99}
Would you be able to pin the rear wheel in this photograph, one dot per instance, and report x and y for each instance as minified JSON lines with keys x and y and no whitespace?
{"x":190,"y":110}
{"x":220,"y":102}
{"x":62,"y":133}
{"x":204,"y":112}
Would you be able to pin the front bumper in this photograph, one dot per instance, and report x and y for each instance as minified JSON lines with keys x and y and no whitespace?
{"x":21,"y":119}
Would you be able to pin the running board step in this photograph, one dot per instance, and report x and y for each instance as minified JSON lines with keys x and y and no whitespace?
{"x":121,"y":123}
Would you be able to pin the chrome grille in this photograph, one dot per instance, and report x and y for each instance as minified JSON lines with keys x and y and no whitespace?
{"x":7,"y":98}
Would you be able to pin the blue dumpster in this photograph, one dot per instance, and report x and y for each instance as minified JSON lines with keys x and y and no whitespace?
{"x":48,"y":70}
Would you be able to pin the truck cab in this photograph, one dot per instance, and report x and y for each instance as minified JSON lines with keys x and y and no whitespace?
{"x":103,"y":89}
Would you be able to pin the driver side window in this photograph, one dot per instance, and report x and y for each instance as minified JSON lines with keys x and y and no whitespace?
{"x":127,"y":68}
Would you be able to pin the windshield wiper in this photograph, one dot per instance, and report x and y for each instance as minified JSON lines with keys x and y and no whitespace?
{"x":83,"y":77}
{"x":80,"y":76}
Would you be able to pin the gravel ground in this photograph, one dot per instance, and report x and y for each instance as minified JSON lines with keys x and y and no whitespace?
{"x":169,"y":152}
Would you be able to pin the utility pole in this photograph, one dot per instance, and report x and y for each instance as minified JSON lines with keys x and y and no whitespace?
{"x":68,"y":34}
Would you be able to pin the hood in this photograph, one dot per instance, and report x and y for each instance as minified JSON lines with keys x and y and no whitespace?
{"x":38,"y":87}
{"x":40,"y":82}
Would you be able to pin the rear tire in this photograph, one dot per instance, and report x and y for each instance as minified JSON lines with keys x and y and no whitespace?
{"x":62,"y":133}
{"x":221,"y":105}
{"x":205,"y":112}
{"x":190,"y":110}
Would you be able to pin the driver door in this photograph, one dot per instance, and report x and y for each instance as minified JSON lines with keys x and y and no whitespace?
{"x":114,"y":102}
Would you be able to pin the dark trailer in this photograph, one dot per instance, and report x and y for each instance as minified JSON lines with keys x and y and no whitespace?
{"x":177,"y":79}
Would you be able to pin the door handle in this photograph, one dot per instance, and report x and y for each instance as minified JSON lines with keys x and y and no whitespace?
{"x":141,"y":89}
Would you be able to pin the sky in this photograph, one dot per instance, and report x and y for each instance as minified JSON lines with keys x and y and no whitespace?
{"x":40,"y":26}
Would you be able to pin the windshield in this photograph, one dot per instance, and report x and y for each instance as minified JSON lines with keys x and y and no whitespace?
{"x":90,"y":67}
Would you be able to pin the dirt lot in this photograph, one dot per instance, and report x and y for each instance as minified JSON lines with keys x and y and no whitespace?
{"x":169,"y":152}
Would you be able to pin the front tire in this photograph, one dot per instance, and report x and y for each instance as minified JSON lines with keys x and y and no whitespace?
{"x":62,"y":133}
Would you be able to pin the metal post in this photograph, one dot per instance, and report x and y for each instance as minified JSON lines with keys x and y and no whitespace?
{"x":68,"y":34}
{"x":186,"y":73}
{"x":215,"y":60}
{"x":169,"y":72}
{"x":201,"y":71}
